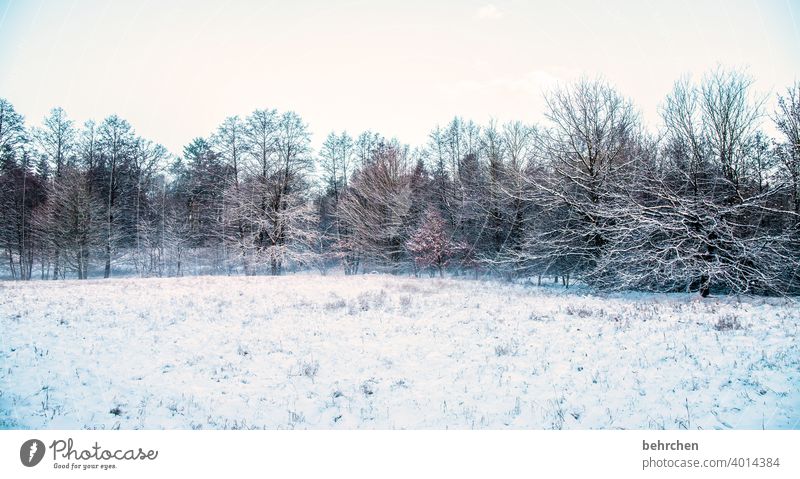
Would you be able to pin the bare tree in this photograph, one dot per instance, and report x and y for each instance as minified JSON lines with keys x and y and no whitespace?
{"x":729,"y":118}
{"x":71,"y":221}
{"x":115,"y":142}
{"x":588,"y":154}
{"x":273,"y":189}
{"x":148,"y":160}
{"x":431,"y":245}
{"x":699,"y":217}
{"x":374,"y":210}
{"x":231,"y":143}
{"x":711,"y":203}
{"x":336,"y":159}
{"x":787,"y":119}
{"x":55,"y":140}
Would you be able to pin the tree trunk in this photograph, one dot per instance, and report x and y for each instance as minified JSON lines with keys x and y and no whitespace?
{"x":55,"y":264}
{"x":705,"y":286}
{"x":107,"y":269}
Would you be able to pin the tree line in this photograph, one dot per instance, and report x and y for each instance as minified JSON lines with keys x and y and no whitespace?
{"x":709,"y":202}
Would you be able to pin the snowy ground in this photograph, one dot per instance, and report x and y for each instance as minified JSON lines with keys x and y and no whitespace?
{"x":387,"y":352}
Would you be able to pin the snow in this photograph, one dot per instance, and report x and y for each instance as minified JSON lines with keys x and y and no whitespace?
{"x":378,"y":351}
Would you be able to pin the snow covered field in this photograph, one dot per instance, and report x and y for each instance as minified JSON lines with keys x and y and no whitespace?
{"x":389,"y":352}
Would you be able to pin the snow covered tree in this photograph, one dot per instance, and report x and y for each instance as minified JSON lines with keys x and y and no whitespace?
{"x":230,"y":145}
{"x":148,"y":159}
{"x":509,"y":152}
{"x":698,"y":218}
{"x":787,"y":119}
{"x":54,"y":143}
{"x":587,"y":155}
{"x":116,"y":142}
{"x":336,"y":160}
{"x":709,"y":203}
{"x":271,"y":193}
{"x":72,"y":221}
{"x":288,"y":184}
{"x":374,"y":210}
{"x":22,"y":192}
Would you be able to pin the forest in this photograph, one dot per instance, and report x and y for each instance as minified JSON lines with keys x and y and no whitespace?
{"x":708,"y":202}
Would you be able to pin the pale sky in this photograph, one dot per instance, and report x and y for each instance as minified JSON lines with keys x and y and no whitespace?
{"x":176,"y":69}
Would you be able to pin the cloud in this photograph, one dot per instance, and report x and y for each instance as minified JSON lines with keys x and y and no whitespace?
{"x":488,"y":11}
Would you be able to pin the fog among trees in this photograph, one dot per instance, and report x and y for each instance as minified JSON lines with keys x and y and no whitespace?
{"x":710,"y":202}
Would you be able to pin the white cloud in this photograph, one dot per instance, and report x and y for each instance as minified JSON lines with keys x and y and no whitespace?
{"x":488,"y":11}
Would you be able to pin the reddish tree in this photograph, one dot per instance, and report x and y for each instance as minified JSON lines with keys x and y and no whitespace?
{"x":431,"y":245}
